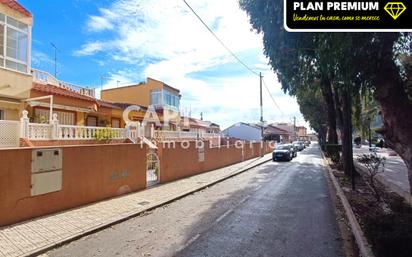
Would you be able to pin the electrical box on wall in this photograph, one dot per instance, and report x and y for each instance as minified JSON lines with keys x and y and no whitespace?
{"x":47,"y":165}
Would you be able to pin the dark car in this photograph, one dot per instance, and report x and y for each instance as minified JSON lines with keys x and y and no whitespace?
{"x":283,"y":152}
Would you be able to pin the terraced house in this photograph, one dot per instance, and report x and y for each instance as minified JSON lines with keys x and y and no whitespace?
{"x":15,"y":70}
{"x":164,"y":99}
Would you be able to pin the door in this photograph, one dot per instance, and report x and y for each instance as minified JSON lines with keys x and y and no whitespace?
{"x":153,"y":168}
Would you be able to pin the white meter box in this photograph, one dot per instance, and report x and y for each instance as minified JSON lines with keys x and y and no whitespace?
{"x":46,"y":171}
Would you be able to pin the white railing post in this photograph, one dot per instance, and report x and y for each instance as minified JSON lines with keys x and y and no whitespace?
{"x":25,"y":124}
{"x":138,"y":130}
{"x":55,"y":127}
{"x":152,"y":131}
{"x":128,"y":130}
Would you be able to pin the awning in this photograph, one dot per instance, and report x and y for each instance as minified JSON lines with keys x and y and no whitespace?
{"x":59,"y":106}
{"x":10,"y":104}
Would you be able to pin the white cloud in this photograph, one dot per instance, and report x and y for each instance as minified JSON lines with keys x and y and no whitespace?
{"x":98,"y":23}
{"x":167,"y":32}
{"x":90,"y":48}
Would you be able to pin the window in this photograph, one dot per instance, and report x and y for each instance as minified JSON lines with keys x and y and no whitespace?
{"x":171,"y":99}
{"x":1,"y":114}
{"x":1,"y":44}
{"x":156,"y":97}
{"x":91,"y":121}
{"x":14,"y":44}
{"x":115,"y":123}
{"x":164,"y":97}
{"x":64,"y":118}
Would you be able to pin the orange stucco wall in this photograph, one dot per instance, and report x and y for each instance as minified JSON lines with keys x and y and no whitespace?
{"x":177,"y":162}
{"x":136,"y":94}
{"x":89,"y":175}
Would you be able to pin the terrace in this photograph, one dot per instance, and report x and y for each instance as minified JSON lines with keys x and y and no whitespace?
{"x":46,"y":78}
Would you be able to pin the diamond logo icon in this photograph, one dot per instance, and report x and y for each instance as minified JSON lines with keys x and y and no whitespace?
{"x":394,"y":9}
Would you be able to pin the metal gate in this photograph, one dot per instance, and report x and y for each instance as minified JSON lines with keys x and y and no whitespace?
{"x":153,"y":168}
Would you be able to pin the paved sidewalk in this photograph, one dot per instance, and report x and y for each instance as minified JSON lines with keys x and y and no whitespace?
{"x":41,"y":234}
{"x":395,"y":176}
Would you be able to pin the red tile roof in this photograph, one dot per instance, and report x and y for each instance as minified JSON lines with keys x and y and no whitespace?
{"x":107,"y":104}
{"x":53,"y":90}
{"x":13,"y":4}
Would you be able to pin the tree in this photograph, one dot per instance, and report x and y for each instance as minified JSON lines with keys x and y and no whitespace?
{"x":312,"y":107}
{"x":372,"y":60}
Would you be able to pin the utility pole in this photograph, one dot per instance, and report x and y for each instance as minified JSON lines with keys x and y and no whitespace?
{"x":261,"y":115}
{"x":55,"y":59}
{"x":294,"y":127}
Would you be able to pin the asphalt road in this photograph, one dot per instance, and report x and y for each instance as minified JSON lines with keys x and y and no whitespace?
{"x":278,"y":209}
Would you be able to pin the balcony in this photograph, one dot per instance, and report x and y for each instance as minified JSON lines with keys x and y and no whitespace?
{"x":45,"y":78}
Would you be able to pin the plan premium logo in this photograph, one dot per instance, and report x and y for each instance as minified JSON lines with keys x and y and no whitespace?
{"x":395,"y":9}
{"x":348,"y":15}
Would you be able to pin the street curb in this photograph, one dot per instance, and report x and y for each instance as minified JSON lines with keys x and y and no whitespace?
{"x":120,"y":220}
{"x":363,"y":245}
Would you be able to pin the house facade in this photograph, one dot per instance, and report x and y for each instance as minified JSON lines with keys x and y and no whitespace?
{"x":302,"y":132}
{"x":253,"y":132}
{"x":198,"y":125}
{"x":74,"y":105}
{"x":290,"y":128}
{"x":154,"y":98}
{"x":15,"y":67}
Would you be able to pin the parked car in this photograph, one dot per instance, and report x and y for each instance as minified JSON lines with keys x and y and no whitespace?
{"x":294,"y":150}
{"x":307,"y":143}
{"x":299,"y":145}
{"x":283,"y":152}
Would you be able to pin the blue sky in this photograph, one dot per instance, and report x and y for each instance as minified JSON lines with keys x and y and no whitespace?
{"x":129,"y":40}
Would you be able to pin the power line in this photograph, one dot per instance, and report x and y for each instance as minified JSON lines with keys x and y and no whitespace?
{"x":220,"y":41}
{"x":232,"y":53}
{"x":273,"y":99}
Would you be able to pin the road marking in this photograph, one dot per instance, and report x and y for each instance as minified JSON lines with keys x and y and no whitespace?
{"x":244,"y":199}
{"x":191,"y":240}
{"x":188,"y":243}
{"x":223,"y":216}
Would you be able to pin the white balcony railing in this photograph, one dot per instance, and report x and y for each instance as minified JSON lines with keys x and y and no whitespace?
{"x":210,"y":135}
{"x":39,"y":131}
{"x":66,"y":132}
{"x":163,"y":135}
{"x":46,"y":78}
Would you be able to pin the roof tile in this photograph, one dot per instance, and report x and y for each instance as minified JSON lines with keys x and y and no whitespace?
{"x":60,"y":91}
{"x":13,"y":4}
